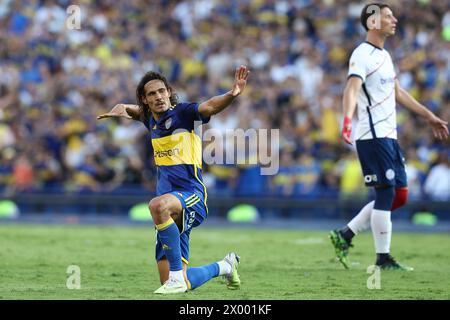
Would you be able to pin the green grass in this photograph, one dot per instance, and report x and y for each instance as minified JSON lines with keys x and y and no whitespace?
{"x":118,"y":263}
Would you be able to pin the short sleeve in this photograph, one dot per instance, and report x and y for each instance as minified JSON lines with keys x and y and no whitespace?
{"x":357,"y":66}
{"x":190,"y":111}
{"x":145,"y":118}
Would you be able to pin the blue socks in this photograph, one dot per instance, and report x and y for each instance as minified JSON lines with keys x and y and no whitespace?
{"x":200,"y":275}
{"x":169,"y":235}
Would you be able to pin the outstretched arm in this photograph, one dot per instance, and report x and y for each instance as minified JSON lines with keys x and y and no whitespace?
{"x":439,"y":126}
{"x":218,"y":103}
{"x":128,"y":111}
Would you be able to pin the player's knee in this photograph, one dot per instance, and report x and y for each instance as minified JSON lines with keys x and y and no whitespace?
{"x":157,"y":207}
{"x":400,"y":199}
{"x":384,"y":198}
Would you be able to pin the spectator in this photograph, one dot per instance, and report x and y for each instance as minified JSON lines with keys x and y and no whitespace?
{"x":55,"y":81}
{"x":437,"y":183}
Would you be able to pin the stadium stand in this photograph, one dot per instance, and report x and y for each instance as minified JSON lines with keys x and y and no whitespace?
{"x":55,"y":81}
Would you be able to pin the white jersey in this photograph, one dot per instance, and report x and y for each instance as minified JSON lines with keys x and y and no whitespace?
{"x":376,"y":99}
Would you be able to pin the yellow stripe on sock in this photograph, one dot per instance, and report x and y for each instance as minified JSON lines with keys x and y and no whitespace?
{"x":164,"y":225}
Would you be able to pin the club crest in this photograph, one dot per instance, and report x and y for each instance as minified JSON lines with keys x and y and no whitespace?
{"x":168,"y":123}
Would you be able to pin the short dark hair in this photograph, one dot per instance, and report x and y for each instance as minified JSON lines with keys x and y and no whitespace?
{"x":149,"y":76}
{"x":366,"y":13}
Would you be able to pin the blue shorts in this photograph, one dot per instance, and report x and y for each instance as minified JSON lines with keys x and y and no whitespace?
{"x":194,"y":213}
{"x":382,"y":162}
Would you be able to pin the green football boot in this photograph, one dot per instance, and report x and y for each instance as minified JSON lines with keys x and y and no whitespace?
{"x":391,"y":264}
{"x":341,"y":247}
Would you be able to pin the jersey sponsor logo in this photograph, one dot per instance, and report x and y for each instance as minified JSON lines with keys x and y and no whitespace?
{"x":370,"y":178}
{"x":390,"y":174}
{"x":178,"y":148}
{"x":167,"y":153}
{"x":387,"y":80}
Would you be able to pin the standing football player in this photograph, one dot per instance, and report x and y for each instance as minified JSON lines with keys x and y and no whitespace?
{"x":373,"y":90}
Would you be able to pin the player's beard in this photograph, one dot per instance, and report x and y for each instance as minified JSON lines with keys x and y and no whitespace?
{"x":161,"y":109}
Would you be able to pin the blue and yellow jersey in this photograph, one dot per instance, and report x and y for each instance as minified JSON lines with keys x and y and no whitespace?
{"x":177,"y":149}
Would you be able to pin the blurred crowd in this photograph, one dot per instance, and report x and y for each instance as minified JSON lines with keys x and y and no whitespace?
{"x":55,"y":80}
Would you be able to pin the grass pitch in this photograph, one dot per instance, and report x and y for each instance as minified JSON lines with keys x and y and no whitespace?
{"x":117,"y":262}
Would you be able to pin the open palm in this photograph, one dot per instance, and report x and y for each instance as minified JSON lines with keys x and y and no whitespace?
{"x":119,"y":110}
{"x":128,"y":111}
{"x":240,"y":80}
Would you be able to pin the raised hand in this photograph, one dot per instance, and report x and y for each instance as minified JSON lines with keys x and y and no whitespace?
{"x":128,"y":111}
{"x":240,"y":80}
